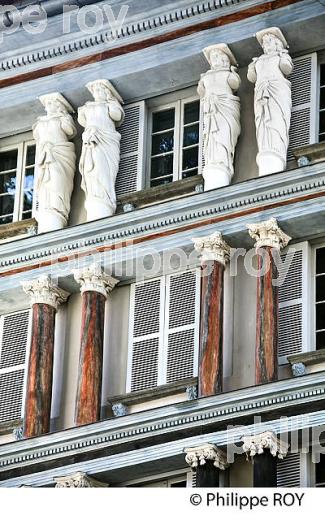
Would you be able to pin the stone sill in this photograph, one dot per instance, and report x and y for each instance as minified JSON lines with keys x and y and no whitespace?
{"x":142,"y":396}
{"x":23,"y":227}
{"x":8,"y":427}
{"x":314,"y":360}
{"x":149,"y":196}
{"x":311,"y":154}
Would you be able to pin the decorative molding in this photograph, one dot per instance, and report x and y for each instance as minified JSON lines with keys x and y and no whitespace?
{"x":119,"y":410}
{"x":256,"y":444}
{"x":268,"y":234}
{"x":212,"y":247}
{"x":298,"y":369}
{"x":191,"y":392}
{"x":207,"y":452}
{"x":93,"y":278}
{"x":78,"y":480}
{"x":18,"y":433}
{"x":177,"y":417}
{"x":42,"y":290}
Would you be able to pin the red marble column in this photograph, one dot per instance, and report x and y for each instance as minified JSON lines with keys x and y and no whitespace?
{"x":95,"y":287}
{"x":214,"y":255}
{"x":269,"y":237}
{"x":45,"y":298}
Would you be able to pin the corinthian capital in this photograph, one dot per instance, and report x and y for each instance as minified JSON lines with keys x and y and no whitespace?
{"x":42,"y":290}
{"x":268,"y":233}
{"x":212,"y":247}
{"x":78,"y":480}
{"x":93,"y":278}
{"x":199,"y":456}
{"x":256,"y":444}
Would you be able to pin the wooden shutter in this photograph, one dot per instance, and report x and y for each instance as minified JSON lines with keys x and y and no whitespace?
{"x":14,"y":339}
{"x":304,"y":92}
{"x":289,"y":471}
{"x":181,"y":329}
{"x":293,"y":321}
{"x":145,"y":339}
{"x":130,"y":175}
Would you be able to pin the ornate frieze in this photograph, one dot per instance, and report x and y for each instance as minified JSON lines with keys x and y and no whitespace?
{"x":93,"y":278}
{"x":268,"y":234}
{"x":78,"y":480}
{"x":212,"y":247}
{"x":207,"y":452}
{"x":256,"y":444}
{"x":43,"y":290}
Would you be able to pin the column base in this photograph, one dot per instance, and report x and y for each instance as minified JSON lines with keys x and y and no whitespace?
{"x":216,"y":176}
{"x":270,"y":162}
{"x":96,"y":210}
{"x":50,"y":221}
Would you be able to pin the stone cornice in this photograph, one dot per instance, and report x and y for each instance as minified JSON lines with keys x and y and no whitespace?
{"x":181,"y":417}
{"x":225,"y":204}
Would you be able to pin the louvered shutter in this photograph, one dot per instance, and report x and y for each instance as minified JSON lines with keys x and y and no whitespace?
{"x":289,"y":471}
{"x":181,"y":328}
{"x":293,"y":303}
{"x":145,"y":338}
{"x":303,"y":87}
{"x":13,"y":346}
{"x":130,"y":175}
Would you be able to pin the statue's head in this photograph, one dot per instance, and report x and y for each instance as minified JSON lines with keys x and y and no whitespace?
{"x":271,"y":40}
{"x":103,"y":90}
{"x":55,"y":103}
{"x":219,"y":56}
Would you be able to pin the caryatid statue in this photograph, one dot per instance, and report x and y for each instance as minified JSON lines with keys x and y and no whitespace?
{"x":100,"y":157}
{"x":221,"y":112}
{"x":55,"y":162}
{"x":272,"y":100}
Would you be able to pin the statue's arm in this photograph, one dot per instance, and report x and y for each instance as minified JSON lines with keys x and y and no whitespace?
{"x":201,"y":88}
{"x":286,"y":64}
{"x":81,"y":116}
{"x":234,"y":80}
{"x":68,"y":126}
{"x":251,"y":73}
{"x":116,"y":112}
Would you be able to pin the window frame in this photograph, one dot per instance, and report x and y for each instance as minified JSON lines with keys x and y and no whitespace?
{"x":178,"y":103}
{"x":21,"y":147}
{"x":320,"y":245}
{"x":320,"y":62}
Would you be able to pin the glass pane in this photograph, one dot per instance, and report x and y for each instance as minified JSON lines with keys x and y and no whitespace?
{"x":320,"y":340}
{"x":6,"y":220}
{"x":320,"y":470}
{"x":322,"y":122}
{"x":161,"y":166}
{"x":320,"y":288}
{"x":8,"y":160}
{"x":322,"y":98}
{"x":28,"y":200}
{"x":191,"y":135}
{"x":29,"y":179}
{"x":322,"y":74}
{"x":8,"y":183}
{"x":7,"y":204}
{"x":191,"y":112}
{"x":178,"y":484}
{"x":320,"y":260}
{"x":162,"y":143}
{"x":322,"y":138}
{"x":161,"y":182}
{"x":30,"y":155}
{"x":163,"y":120}
{"x":190,"y":158}
{"x":189,"y":173}
{"x":320,"y":316}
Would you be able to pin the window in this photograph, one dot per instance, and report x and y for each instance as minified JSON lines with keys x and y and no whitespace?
{"x":322,"y":103}
{"x":163,"y":336}
{"x":320,"y":472}
{"x":171,"y":480}
{"x":16,"y":182}
{"x":320,"y":298}
{"x":174,"y":147}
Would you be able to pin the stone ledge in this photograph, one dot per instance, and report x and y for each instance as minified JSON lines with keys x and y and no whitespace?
{"x":148,"y":196}
{"x":314,"y":361}
{"x":9,"y":426}
{"x":311,"y":154}
{"x":23,"y":227}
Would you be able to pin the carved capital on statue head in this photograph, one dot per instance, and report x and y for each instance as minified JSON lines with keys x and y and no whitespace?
{"x":42,"y":290}
{"x":268,"y":233}
{"x":78,"y":480}
{"x":212,"y":247}
{"x":274,"y":32}
{"x":256,"y":444}
{"x":220,"y":49}
{"x":93,"y":278}
{"x":55,"y":102}
{"x":202,"y":454}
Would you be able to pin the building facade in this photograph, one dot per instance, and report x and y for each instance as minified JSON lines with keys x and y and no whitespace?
{"x":162,"y":245}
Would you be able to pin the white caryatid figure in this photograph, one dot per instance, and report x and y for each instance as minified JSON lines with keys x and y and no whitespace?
{"x":55,"y":162}
{"x":272,"y":100}
{"x":100,"y":157}
{"x":221,"y":112}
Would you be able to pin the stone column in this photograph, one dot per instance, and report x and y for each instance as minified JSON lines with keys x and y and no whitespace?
{"x":78,"y":480}
{"x":207,"y":461}
{"x":95,"y":287}
{"x":45,"y":298}
{"x":214,"y":256}
{"x":269,"y":238}
{"x":264,"y":450}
